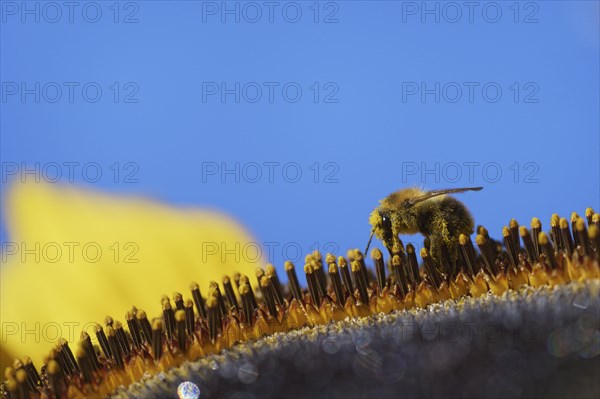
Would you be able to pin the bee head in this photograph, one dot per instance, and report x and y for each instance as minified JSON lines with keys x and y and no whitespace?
{"x":382,"y":228}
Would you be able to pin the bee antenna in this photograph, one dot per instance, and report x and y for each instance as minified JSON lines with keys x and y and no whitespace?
{"x":369,"y":243}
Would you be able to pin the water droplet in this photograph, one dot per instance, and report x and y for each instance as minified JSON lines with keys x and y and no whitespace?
{"x":331,"y":344}
{"x":247,"y":373}
{"x":188,"y":390}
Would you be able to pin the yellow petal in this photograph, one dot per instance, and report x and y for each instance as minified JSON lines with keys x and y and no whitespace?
{"x":76,"y":256}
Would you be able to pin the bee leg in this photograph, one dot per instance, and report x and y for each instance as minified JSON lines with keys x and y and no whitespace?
{"x":443,"y":247}
{"x":442,"y":254}
{"x":388,"y":244}
{"x":427,"y":244}
{"x":390,"y":252}
{"x":433,"y":246}
{"x":447,"y":261}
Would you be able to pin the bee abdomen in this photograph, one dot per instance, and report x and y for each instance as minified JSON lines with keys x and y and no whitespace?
{"x":460,"y":219}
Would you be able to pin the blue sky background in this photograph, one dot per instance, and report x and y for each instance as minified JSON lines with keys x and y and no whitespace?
{"x":366,"y":130}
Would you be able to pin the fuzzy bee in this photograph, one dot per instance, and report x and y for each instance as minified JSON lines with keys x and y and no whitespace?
{"x":437,"y":216}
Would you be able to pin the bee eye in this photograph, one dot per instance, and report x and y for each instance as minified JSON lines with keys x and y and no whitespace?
{"x":386,"y":223}
{"x":386,"y":226}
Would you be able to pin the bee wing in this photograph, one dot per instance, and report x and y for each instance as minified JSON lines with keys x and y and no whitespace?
{"x":435,"y":193}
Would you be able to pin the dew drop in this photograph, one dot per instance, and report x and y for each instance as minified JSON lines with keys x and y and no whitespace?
{"x":188,"y":390}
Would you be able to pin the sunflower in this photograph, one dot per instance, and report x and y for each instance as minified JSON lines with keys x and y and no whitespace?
{"x":512,"y":321}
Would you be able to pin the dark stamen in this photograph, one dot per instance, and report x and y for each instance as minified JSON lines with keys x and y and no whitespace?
{"x":213,"y":318}
{"x":102,"y":340}
{"x":178,"y":299}
{"x":361,"y":283}
{"x":247,"y":307}
{"x":122,"y":338}
{"x":377,"y":257}
{"x":32,"y":373}
{"x":346,"y":277}
{"x":198,"y":300}
{"x":574,"y":217}
{"x":181,"y":330}
{"x":430,"y":268}
{"x":246,"y":280}
{"x":413,"y":265}
{"x":567,"y":239}
{"x":86,"y":343}
{"x":399,"y":273}
{"x":319,"y":277}
{"x":584,"y":239}
{"x":595,"y":240}
{"x":536,"y":228}
{"x":493,"y":250}
{"x":294,"y":286}
{"x":145,"y":327}
{"x":269,"y":298}
{"x":555,"y":232}
{"x":528,"y":243}
{"x":189,"y":317}
{"x":271,"y":274}
{"x":85,"y":365}
{"x":514,"y":234}
{"x":259,"y":274}
{"x":313,"y":287}
{"x":169,"y":317}
{"x":229,"y":294}
{"x":214,"y":287}
{"x":336,"y":283}
{"x":589,"y":216}
{"x":22,"y":384}
{"x":134,"y":329}
{"x":548,"y":250}
{"x":115,"y":349}
{"x":56,"y":378}
{"x":360,"y":258}
{"x":157,"y":339}
{"x":513,"y":253}
{"x":487,"y":254}
{"x":468,"y":251}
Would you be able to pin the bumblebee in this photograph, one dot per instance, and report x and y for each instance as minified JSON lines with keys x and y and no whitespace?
{"x":439,"y":217}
